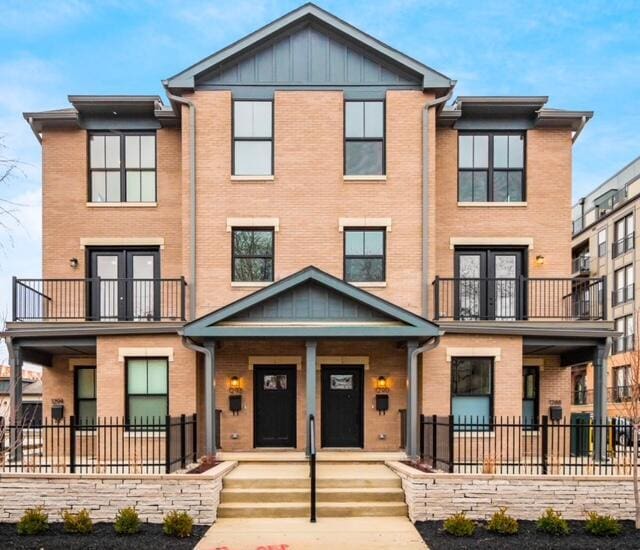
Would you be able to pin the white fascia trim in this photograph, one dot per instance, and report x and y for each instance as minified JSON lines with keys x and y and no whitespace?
{"x":250,"y":284}
{"x":497,"y":241}
{"x":496,"y":353}
{"x":364,"y":222}
{"x":253,"y":222}
{"x":123,"y":353}
{"x":121,"y":241}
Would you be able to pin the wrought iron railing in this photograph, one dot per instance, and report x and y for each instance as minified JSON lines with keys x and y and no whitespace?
{"x":623,"y":245}
{"x":521,"y":298}
{"x":581,"y":264}
{"x":96,"y":299}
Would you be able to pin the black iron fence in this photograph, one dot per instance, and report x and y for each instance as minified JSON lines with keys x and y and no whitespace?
{"x":96,"y":299}
{"x":516,"y":445}
{"x":521,"y":298}
{"x":150,"y":445}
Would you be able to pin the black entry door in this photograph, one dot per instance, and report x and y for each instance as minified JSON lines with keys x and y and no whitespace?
{"x":342,"y":406}
{"x":489,"y":284}
{"x":274,"y":406}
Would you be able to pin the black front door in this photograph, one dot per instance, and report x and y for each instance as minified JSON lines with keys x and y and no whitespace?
{"x":342,"y":406}
{"x":274,"y":406}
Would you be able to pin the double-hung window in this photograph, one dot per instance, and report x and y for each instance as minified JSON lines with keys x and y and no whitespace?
{"x":364,"y":143}
{"x":602,"y":243}
{"x":472,"y":392}
{"x":625,"y":342}
{"x":122,"y":167}
{"x":622,"y":383}
{"x":252,"y":138}
{"x":624,"y":235}
{"x":623,"y":291}
{"x":491,"y":167}
{"x":252,"y":255}
{"x":364,"y":255}
{"x":147,"y":386}
{"x":85,"y":396}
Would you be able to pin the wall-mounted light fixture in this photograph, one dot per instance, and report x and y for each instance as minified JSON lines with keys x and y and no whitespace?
{"x":382,"y":395}
{"x":235,"y":395}
{"x":234,"y":385}
{"x":73,"y":263}
{"x":382,"y":385}
{"x":539,"y":260}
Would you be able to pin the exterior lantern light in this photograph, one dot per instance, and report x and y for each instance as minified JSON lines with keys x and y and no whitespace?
{"x":539,"y":260}
{"x":234,"y":385}
{"x":381,"y":385}
{"x":73,"y":263}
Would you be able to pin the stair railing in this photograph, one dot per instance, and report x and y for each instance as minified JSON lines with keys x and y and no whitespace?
{"x":312,"y":466}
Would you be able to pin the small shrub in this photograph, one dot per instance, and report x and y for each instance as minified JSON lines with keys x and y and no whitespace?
{"x":127,"y":521}
{"x":602,"y":526}
{"x":502,"y":523}
{"x":178,"y":524}
{"x":77,"y":523}
{"x":33,"y":522}
{"x":459,"y":525}
{"x":552,"y":523}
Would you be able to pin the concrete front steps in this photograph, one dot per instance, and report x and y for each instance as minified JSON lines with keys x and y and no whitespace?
{"x":282,"y":490}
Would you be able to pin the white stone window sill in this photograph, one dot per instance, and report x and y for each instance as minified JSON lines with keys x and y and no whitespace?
{"x":252,"y":178}
{"x":365,"y":178}
{"x":122,"y":204}
{"x":493,"y":204}
{"x":370,"y":284}
{"x":249,"y":284}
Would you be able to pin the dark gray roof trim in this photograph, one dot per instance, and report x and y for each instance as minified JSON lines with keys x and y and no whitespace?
{"x":309,"y":12}
{"x":572,"y":329}
{"x":85,"y":328}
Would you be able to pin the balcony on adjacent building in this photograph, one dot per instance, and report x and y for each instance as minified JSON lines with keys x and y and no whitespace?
{"x":97,"y":299}
{"x":520,"y":299}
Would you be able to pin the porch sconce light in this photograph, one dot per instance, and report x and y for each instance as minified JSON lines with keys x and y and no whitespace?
{"x":539,"y":260}
{"x":235,"y":397}
{"x":73,"y":263}
{"x":381,"y":385}
{"x":234,"y":385}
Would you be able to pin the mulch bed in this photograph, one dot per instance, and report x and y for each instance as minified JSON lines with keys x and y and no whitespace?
{"x":528,"y":538}
{"x":103,"y":537}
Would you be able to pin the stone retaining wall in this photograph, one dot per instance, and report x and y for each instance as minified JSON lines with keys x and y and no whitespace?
{"x":104,"y":494}
{"x":437,"y":496}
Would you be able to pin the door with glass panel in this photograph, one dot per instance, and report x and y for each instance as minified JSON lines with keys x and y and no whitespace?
{"x":124,"y":284}
{"x":488,"y":284}
{"x":530,"y":403}
{"x":85,"y":396}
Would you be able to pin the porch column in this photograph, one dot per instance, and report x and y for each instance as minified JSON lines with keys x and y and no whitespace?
{"x":311,"y":386}
{"x":15,"y":394}
{"x":412,"y":441}
{"x":600,"y":403}
{"x":210,"y":397}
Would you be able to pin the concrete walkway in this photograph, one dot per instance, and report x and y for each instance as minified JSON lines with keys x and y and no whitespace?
{"x":299,"y":534}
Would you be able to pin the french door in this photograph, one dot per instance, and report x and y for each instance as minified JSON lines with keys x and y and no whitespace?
{"x":125,"y":284}
{"x":489,"y":284}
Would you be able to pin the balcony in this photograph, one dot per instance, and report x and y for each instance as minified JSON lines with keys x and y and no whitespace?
{"x":96,"y":299}
{"x":581,"y":265}
{"x":615,"y":394}
{"x":520,"y":299}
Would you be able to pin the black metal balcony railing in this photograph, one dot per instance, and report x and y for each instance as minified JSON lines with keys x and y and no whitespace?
{"x":96,"y":299}
{"x":581,"y":264}
{"x":623,"y":343}
{"x":623,"y":245}
{"x":518,"y":299}
{"x":622,"y":295}
{"x":615,"y":394}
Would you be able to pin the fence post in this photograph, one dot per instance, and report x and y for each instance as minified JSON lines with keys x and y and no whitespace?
{"x":167,"y":442}
{"x":603,"y":304}
{"x":434,"y":442}
{"x":183,"y":441}
{"x":545,"y":444}
{"x":72,"y":444}
{"x":450,"y":457}
{"x":14,"y":291}
{"x":436,"y":298}
{"x":183,"y":287}
{"x":194,"y":427}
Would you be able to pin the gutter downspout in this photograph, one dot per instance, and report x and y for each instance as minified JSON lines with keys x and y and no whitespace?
{"x":583,"y":123}
{"x":192,"y":189}
{"x":425,"y":198}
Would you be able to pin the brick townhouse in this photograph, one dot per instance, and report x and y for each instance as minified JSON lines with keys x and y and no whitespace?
{"x":311,"y":225}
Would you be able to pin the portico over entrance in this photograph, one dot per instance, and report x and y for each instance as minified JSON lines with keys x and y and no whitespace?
{"x":311,"y":344}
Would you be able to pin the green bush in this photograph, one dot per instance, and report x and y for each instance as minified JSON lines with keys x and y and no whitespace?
{"x":459,"y":525}
{"x":77,"y":523}
{"x":33,"y":522}
{"x":502,"y":523}
{"x":552,"y":523}
{"x":127,"y":521}
{"x":178,"y":524}
{"x":602,"y":526}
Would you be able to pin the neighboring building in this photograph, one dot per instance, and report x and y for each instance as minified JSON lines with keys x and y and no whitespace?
{"x":604,"y":226}
{"x":31,"y":396}
{"x":281,"y":238}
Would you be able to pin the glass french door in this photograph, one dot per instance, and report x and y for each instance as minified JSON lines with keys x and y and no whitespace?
{"x":124,"y":285}
{"x":488,"y":284}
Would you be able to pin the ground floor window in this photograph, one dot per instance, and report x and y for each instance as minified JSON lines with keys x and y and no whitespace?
{"x":147,"y":391}
{"x":530,"y":384}
{"x":472,"y":392}
{"x":85,"y":395}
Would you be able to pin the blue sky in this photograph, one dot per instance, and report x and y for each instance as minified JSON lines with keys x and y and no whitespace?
{"x":584,"y":54}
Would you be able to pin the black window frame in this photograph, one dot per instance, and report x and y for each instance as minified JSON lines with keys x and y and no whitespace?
{"x":489,"y":423}
{"x":76,"y":400}
{"x":129,"y":426}
{"x":579,"y":388}
{"x":621,"y":295}
{"x":621,"y":393}
{"x":122,"y":135}
{"x":255,"y":139}
{"x":526,"y":369}
{"x":626,"y":342}
{"x":346,"y":257}
{"x":364,"y":139}
{"x":627,"y":241}
{"x":254,"y":256}
{"x":491,"y":134}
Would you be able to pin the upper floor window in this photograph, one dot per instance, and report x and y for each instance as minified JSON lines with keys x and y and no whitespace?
{"x":623,"y":235}
{"x":491,"y":167}
{"x":122,"y":167}
{"x":602,"y":243}
{"x":364,"y":255}
{"x":624,"y":286}
{"x":252,"y":255}
{"x":252,"y":138}
{"x":625,"y":326}
{"x":364,"y":130}
{"x":622,"y":383}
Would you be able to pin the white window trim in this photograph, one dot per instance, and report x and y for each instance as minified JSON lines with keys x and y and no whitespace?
{"x":251,"y":178}
{"x":251,"y":284}
{"x":122,"y":241}
{"x":496,"y":353}
{"x":122,"y":204}
{"x":132,"y":353}
{"x":364,"y":222}
{"x":493,"y":204}
{"x":369,"y":284}
{"x":337,"y":360}
{"x":253,"y":222}
{"x":488,"y":241}
{"x":275,"y":360}
{"x":364,"y":178}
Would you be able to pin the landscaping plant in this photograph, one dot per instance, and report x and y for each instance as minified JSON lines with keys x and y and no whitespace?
{"x":502,"y":523}
{"x":33,"y":522}
{"x":602,"y":525}
{"x":459,"y":525}
{"x":178,"y":524}
{"x":127,"y":521}
{"x":552,"y":523}
{"x":78,"y":523}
